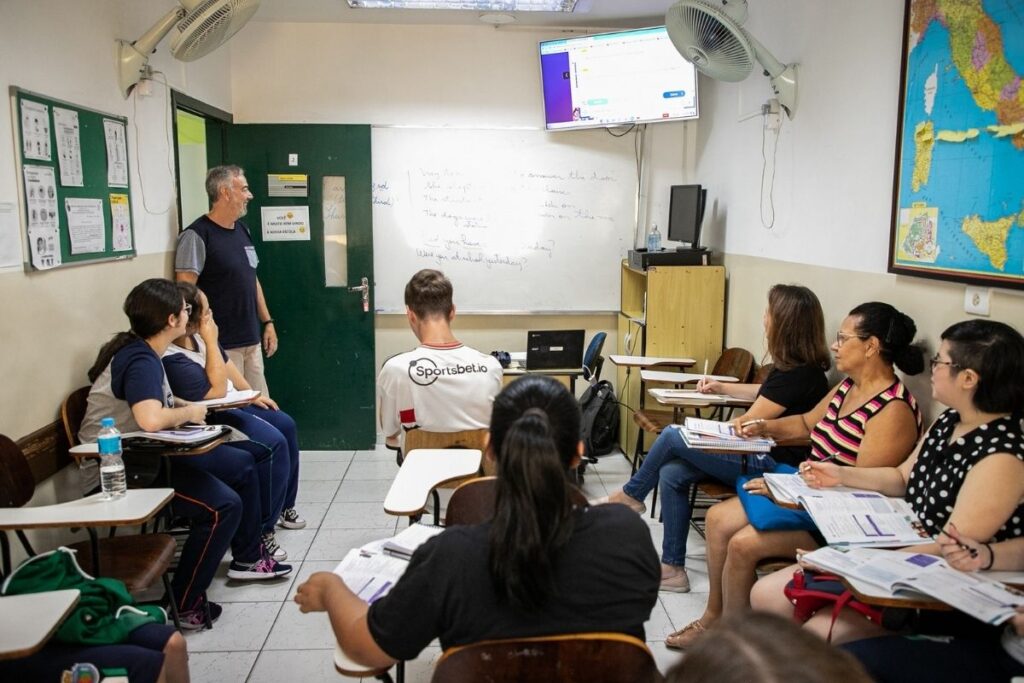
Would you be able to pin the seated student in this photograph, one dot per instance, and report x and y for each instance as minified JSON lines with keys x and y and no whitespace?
{"x":152,"y":653}
{"x":869,"y":419}
{"x":546,"y":564}
{"x":217,"y":491}
{"x":441,"y":385}
{"x":795,"y":328}
{"x":975,"y":651}
{"x":967,"y":470}
{"x":198,"y":369}
{"x":755,"y":647}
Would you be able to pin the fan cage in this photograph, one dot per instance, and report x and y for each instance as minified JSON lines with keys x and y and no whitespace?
{"x":218,"y":21}
{"x":711,"y":40}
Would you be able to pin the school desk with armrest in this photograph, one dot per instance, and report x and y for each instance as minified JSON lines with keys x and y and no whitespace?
{"x":28,"y":621}
{"x":422,"y":471}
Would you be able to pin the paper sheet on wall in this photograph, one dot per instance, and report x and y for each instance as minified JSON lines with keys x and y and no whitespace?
{"x":85,"y":225}
{"x":44,"y":247}
{"x":10,"y":235}
{"x":117,"y":153}
{"x":41,"y":195}
{"x":69,"y":146}
{"x":120,"y":222}
{"x":35,"y":130}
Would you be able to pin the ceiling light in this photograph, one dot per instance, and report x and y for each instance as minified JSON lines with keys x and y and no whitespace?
{"x":497,"y":18}
{"x":474,"y":5}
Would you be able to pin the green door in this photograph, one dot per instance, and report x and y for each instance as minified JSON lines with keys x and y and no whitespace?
{"x":323,"y":372}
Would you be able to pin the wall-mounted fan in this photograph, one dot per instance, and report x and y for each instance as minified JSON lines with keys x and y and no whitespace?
{"x":203,"y":26}
{"x":709,"y":34}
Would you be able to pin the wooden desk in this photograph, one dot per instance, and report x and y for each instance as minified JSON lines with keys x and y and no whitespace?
{"x":650,"y":361}
{"x":28,"y":621}
{"x":680,"y":377}
{"x":136,"y":507}
{"x":421,"y":472}
{"x":91,"y":450}
{"x":678,"y":403}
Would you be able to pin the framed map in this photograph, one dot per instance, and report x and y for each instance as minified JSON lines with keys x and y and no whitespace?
{"x":958,"y":198}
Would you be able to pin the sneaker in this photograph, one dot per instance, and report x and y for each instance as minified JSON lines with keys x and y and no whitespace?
{"x":675,"y":583}
{"x":262,"y":569}
{"x":290,"y":520}
{"x":195,"y":619}
{"x":273,"y":549}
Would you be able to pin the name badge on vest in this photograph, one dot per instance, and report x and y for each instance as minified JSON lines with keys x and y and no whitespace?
{"x":250,"y":253}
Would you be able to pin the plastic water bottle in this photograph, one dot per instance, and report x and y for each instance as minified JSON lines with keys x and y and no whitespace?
{"x":112,"y":479}
{"x":654,"y":239}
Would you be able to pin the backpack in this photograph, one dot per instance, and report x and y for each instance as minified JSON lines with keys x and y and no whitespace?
{"x":600,"y":423}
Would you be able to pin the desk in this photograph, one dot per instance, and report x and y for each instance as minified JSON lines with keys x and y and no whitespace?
{"x":680,"y":377}
{"x":421,"y":472}
{"x":565,"y":375}
{"x":650,"y":361}
{"x":346,"y":667}
{"x":136,"y":507}
{"x":28,"y":621}
{"x":91,"y":450}
{"x":677,"y":403}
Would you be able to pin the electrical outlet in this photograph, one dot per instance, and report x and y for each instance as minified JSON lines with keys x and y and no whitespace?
{"x":976,"y":300}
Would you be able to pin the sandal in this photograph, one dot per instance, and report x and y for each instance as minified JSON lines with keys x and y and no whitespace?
{"x":682,"y":639}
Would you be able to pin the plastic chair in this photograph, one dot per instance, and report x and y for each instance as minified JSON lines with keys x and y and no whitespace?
{"x":572,"y":658}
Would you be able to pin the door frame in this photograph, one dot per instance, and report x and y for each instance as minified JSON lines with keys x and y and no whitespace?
{"x":203,"y":110}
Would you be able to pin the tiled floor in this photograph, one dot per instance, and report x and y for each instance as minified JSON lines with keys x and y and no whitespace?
{"x":262,"y":636}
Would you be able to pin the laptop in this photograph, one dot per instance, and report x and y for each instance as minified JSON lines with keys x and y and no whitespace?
{"x":554,"y":349}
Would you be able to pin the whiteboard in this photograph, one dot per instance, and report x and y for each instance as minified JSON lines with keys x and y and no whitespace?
{"x":519,"y":220}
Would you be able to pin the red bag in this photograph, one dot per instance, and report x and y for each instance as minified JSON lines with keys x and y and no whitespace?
{"x":811,"y":592}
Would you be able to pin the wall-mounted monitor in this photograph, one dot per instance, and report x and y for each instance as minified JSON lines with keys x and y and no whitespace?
{"x":614,"y":79}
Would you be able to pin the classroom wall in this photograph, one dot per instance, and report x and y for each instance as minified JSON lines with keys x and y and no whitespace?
{"x":457,"y":76}
{"x":833,"y":179}
{"x":53,"y":322}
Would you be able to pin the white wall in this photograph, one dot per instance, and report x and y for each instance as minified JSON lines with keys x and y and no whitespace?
{"x":53,"y":322}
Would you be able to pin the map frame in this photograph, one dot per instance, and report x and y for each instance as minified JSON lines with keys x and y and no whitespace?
{"x":901,"y":267}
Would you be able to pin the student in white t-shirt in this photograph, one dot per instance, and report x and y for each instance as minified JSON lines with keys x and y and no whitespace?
{"x":442,"y":385}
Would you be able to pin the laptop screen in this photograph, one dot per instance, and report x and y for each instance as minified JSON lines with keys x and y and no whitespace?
{"x":554,"y":349}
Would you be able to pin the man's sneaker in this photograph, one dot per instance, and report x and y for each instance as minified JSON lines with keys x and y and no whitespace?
{"x":195,"y":619}
{"x":290,"y":520}
{"x":262,"y":569}
{"x":273,"y":549}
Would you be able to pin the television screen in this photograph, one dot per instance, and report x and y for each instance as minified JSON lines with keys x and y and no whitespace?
{"x":617,"y":78}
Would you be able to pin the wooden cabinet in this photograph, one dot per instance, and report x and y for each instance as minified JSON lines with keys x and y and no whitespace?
{"x":667,"y":311}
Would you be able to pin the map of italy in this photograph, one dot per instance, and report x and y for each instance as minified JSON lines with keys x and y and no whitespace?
{"x":963,"y":149}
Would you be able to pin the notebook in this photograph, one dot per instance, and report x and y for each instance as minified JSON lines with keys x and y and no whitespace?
{"x":554,"y":349}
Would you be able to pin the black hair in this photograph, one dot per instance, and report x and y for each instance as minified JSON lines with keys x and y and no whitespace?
{"x":148,"y":306}
{"x":190,"y":293}
{"x":895,"y":334}
{"x":535,"y":432}
{"x":995,"y":351}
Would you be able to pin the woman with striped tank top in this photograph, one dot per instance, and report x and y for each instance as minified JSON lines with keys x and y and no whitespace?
{"x":870,"y":419}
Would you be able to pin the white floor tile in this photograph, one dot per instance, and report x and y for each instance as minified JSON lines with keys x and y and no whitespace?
{"x":366,"y":491}
{"x":332,"y":544}
{"x":308,"y":569}
{"x":313,"y":513}
{"x":357,"y":516}
{"x":243,"y":626}
{"x":664,"y":657}
{"x":308,"y":666}
{"x":294,"y":630}
{"x":295,"y":542}
{"x":317,"y":491}
{"x":323,"y":470}
{"x":375,"y":469}
{"x":659,"y":625}
{"x":217,"y":667}
{"x":327,"y":456}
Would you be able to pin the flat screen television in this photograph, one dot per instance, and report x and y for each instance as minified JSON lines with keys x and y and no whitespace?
{"x":686,"y":214}
{"x":613,"y":79}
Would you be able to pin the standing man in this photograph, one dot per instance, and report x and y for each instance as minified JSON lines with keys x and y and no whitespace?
{"x":216,"y":254}
{"x":442,"y":385}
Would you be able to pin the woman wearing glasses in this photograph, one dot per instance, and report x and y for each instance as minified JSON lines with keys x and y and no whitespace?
{"x":870,"y":419}
{"x":967,"y":474}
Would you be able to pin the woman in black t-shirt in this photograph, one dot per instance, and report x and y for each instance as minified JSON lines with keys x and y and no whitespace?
{"x":546,"y":564}
{"x":795,"y":327}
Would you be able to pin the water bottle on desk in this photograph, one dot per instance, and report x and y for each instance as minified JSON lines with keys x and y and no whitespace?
{"x":654,"y":239}
{"x":112,"y":479}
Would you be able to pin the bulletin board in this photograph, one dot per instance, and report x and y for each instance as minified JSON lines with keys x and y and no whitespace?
{"x":74,"y":179}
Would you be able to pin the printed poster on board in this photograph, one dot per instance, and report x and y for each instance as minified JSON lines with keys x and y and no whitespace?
{"x":285,"y":223}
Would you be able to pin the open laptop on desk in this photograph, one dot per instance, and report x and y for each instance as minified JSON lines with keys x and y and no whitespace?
{"x":554,"y":349}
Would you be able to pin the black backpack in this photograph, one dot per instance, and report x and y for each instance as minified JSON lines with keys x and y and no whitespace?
{"x":600,"y":423}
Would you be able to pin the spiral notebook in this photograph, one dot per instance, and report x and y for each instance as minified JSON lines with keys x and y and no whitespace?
{"x":709,"y":434}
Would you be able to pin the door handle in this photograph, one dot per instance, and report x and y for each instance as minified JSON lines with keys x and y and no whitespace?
{"x":364,"y":288}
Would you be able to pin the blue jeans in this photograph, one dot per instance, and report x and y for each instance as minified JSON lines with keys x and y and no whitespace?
{"x":679,"y":467}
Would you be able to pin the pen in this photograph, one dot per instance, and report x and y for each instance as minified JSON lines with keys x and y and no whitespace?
{"x":705,"y":371}
{"x":751,"y":422}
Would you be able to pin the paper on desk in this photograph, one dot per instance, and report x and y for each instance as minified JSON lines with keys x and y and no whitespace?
{"x":370,"y":575}
{"x":232,"y":398}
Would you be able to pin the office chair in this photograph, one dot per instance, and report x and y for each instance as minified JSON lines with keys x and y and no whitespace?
{"x":593,"y":361}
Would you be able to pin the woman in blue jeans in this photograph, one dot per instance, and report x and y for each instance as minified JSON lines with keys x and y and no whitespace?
{"x":795,"y":329}
{"x":198,"y":369}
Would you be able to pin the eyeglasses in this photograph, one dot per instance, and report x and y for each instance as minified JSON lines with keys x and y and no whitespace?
{"x":843,"y":338}
{"x":936,"y":362}
{"x":188,"y":310}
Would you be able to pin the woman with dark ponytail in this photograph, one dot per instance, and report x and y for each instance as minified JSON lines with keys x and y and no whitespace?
{"x":546,"y":564}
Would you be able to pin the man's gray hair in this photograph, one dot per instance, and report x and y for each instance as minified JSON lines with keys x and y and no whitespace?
{"x":218,"y":177}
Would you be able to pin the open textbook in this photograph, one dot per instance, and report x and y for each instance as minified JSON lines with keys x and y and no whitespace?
{"x":372,"y":570}
{"x":405,"y":542}
{"x":700,"y":433}
{"x":852,"y":517}
{"x":688,"y":394}
{"x":233,"y":399}
{"x":890,"y":573}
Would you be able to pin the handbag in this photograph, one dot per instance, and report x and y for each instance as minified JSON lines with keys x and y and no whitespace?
{"x":811,"y":592}
{"x":766,"y":515}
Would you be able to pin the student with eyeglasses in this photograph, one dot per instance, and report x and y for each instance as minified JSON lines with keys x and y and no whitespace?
{"x":966,"y":476}
{"x":870,"y":419}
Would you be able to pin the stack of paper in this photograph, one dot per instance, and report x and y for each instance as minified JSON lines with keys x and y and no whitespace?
{"x":191,"y":435}
{"x":688,"y":395}
{"x":709,"y":434}
{"x":233,"y":399}
{"x":405,"y":542}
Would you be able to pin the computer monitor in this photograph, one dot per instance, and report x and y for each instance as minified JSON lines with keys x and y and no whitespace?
{"x":686,"y":214}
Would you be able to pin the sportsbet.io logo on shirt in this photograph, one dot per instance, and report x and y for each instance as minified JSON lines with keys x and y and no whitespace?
{"x":424,"y":371}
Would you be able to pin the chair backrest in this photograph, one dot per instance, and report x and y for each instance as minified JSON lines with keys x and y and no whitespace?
{"x":762,"y":373}
{"x":72,"y":412}
{"x":592,"y":359}
{"x":579,"y":657}
{"x":16,"y":481}
{"x":472,"y":502}
{"x":735,"y":362}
